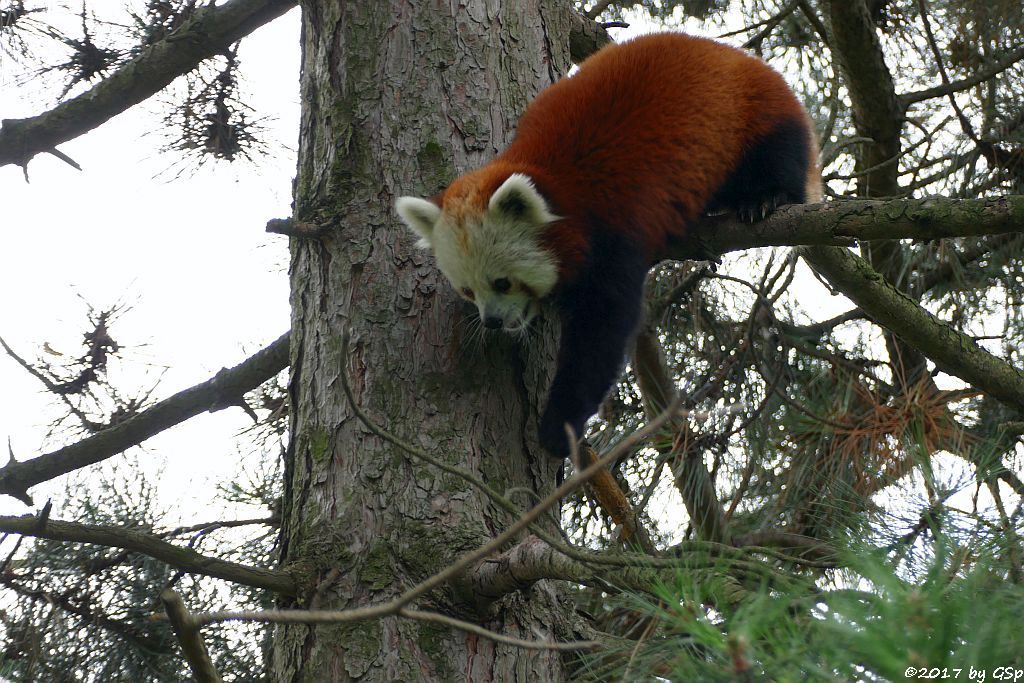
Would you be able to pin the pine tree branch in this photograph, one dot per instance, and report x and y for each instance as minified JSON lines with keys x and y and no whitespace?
{"x":877,"y":113}
{"x":841,"y":223}
{"x":223,"y":390}
{"x":586,"y":37}
{"x":399,"y":606}
{"x":192,"y":645}
{"x":210,"y":31}
{"x":606,"y":490}
{"x":533,"y":559}
{"x":907,"y":99}
{"x":88,"y":613}
{"x":185,"y":559}
{"x":951,"y":350}
{"x":820,"y":329}
{"x":803,"y":547}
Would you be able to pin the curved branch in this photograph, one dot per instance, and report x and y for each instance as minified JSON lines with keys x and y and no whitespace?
{"x":952,"y":351}
{"x":532,"y":559}
{"x":224,"y":389}
{"x":210,"y":31}
{"x":184,"y":559}
{"x":907,"y":99}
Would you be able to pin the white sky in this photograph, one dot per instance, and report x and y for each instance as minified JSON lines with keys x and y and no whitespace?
{"x":205,"y":283}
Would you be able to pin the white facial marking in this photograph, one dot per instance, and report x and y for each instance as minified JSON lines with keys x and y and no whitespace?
{"x":495,"y":260}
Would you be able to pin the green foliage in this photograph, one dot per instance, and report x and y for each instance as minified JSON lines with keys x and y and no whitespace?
{"x":77,"y":612}
{"x":867,"y":623}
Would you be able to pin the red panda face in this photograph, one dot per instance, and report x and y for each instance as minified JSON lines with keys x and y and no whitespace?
{"x":492,"y":257}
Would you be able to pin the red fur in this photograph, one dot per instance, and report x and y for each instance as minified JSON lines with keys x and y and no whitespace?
{"x":641,"y":137}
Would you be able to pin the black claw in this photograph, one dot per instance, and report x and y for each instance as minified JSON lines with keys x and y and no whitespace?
{"x":755,"y":210}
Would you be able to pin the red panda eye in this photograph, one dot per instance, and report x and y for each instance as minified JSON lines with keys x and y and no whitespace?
{"x":502,"y":285}
{"x":468,"y":293}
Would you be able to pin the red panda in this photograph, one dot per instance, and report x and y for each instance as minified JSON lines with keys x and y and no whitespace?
{"x":607,"y":169}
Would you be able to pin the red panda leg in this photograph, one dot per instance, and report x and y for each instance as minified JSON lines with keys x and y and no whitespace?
{"x":600,"y":313}
{"x":772,"y":172}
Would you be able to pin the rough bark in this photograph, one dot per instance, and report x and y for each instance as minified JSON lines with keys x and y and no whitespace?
{"x":843,"y":222}
{"x":398,"y":98}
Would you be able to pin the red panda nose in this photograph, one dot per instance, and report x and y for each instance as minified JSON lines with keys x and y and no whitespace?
{"x":492,"y":323}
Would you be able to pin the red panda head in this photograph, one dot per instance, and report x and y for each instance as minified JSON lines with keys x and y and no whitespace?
{"x":490,"y":248}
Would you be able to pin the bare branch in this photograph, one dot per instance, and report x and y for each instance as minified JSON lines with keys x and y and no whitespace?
{"x":224,"y":389}
{"x":877,"y":113}
{"x":294,"y":228}
{"x":606,"y":490}
{"x":377,"y":612}
{"x":210,"y":31}
{"x":815,"y":21}
{"x":771,"y":22}
{"x":185,"y":559}
{"x":192,"y":645}
{"x":207,"y":527}
{"x":907,"y":99}
{"x":533,"y":559}
{"x":804,"y":547}
{"x":468,"y":627}
{"x":692,"y":478}
{"x":398,"y":605}
{"x":820,"y":329}
{"x":965,"y":123}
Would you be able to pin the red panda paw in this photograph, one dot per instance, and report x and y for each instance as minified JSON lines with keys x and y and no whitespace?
{"x":753,"y":209}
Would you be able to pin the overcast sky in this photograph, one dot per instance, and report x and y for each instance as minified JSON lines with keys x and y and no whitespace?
{"x":205,"y":284}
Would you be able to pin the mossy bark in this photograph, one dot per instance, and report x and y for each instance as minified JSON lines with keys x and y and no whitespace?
{"x":399,"y":98}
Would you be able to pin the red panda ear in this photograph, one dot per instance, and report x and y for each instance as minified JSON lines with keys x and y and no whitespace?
{"x":421,"y":216}
{"x":517,"y":200}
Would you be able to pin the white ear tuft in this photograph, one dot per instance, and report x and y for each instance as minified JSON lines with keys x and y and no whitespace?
{"x":518,"y":199}
{"x":420,"y":215}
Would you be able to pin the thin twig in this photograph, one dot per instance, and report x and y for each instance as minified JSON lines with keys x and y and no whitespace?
{"x":468,"y":627}
{"x":965,"y":124}
{"x":946,"y":88}
{"x":769,"y":23}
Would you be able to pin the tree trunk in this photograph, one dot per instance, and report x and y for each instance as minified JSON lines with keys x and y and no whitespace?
{"x":399,"y":98}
